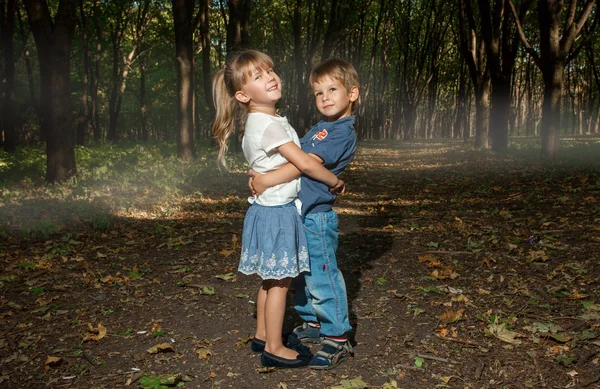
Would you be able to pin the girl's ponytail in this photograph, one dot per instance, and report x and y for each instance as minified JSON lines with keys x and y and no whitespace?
{"x":229,"y":112}
{"x":223,"y":125}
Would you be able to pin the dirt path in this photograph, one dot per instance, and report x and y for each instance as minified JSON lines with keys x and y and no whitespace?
{"x":464,"y":270}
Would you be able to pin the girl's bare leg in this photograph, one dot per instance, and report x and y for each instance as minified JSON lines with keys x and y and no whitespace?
{"x":261,"y":300}
{"x":274,"y":314}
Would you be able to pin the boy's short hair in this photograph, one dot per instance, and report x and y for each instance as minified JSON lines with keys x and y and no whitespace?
{"x":337,"y":69}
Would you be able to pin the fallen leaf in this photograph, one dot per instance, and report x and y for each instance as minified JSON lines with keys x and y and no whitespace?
{"x":557,"y":337}
{"x":52,"y":362}
{"x":226,"y":277}
{"x":163,"y":347}
{"x":538,"y":256}
{"x":430,"y":261}
{"x":501,"y":332}
{"x":355,"y":383}
{"x":203,"y":352}
{"x":393,"y":384}
{"x":226,"y":253}
{"x":242,"y":342}
{"x":95,"y":334}
{"x":450,"y":316}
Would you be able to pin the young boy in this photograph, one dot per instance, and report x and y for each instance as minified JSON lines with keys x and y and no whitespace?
{"x":321,"y":298}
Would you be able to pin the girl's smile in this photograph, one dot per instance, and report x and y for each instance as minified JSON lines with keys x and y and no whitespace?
{"x":261,"y":91}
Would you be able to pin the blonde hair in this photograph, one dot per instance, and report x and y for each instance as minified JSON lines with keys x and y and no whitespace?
{"x":230,"y":113}
{"x":337,"y":69}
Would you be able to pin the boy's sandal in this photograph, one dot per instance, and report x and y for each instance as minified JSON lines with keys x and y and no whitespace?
{"x":305,"y":334}
{"x":331,"y":355}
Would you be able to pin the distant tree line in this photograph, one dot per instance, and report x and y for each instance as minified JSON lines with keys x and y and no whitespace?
{"x":80,"y":71}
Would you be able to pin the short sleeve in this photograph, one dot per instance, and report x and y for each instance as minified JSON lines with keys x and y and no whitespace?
{"x":332,"y":145}
{"x":274,"y":136}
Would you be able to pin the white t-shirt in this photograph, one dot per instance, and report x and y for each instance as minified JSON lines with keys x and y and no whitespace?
{"x":263,"y":134}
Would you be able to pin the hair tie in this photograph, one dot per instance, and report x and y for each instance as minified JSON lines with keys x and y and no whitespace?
{"x":225,"y":67}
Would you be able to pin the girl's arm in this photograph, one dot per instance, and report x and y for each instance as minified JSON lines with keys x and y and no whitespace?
{"x":307,"y":164}
{"x":258,"y":183}
{"x":300,"y":162}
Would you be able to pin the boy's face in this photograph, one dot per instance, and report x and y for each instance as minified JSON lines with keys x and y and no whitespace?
{"x":333,"y":99}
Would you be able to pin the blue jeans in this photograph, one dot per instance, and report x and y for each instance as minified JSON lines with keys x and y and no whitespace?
{"x":324,"y":299}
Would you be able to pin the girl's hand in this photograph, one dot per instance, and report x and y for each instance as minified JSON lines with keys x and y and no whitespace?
{"x":251,"y":174}
{"x":255,"y":183}
{"x":258,"y":184}
{"x":339,"y":188}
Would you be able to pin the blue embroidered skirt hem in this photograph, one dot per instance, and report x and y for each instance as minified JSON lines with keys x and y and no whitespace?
{"x":273,"y":242}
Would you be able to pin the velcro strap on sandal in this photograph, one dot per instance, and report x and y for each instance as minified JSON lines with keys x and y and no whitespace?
{"x":342,"y":349}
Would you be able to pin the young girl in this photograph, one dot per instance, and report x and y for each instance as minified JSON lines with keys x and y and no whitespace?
{"x":274,"y":245}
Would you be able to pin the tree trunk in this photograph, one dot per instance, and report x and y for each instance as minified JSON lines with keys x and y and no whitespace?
{"x":459,"y":122}
{"x":184,"y":48}
{"x":234,"y":26}
{"x":550,"y":131}
{"x":205,"y":37}
{"x":472,"y":51}
{"x":143,"y":103}
{"x":302,"y":123}
{"x":9,"y":106}
{"x":53,"y":40}
{"x":499,"y":113}
{"x":482,"y":115}
{"x":28,"y":67}
{"x":119,"y":28}
{"x":83,"y":116}
{"x":95,"y":77}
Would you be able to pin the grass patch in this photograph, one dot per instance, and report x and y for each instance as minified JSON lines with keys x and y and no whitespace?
{"x":113,"y":180}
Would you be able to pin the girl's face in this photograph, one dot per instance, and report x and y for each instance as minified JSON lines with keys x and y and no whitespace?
{"x":261,"y":91}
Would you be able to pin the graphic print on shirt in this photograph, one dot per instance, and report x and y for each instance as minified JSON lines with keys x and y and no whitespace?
{"x":319,"y":136}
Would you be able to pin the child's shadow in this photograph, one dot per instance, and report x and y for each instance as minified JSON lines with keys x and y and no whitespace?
{"x":357,"y":252}
{"x":365,"y":242}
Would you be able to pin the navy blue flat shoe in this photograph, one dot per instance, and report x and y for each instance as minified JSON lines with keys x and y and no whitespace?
{"x":257,"y":345}
{"x":270,"y":360}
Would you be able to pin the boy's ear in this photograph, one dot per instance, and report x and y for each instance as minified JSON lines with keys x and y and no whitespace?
{"x":354,"y":93}
{"x":241,"y":97}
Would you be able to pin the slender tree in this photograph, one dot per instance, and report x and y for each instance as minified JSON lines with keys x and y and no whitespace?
{"x":473,"y":50}
{"x":501,"y":44}
{"x":184,"y":47}
{"x":83,"y":115}
{"x":53,"y":41}
{"x":9,"y":105}
{"x":556,"y":51}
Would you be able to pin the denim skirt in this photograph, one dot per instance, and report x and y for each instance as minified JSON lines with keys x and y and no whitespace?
{"x":274,"y":242}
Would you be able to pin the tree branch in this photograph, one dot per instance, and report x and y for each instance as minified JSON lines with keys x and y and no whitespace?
{"x":534,"y":55}
{"x":585,"y":39}
{"x":570,"y":15}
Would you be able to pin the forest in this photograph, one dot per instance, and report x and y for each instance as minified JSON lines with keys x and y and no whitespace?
{"x":93,"y":71}
{"x":469,"y":228}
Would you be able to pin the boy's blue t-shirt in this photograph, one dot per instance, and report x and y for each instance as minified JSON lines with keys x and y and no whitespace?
{"x":335,"y":142}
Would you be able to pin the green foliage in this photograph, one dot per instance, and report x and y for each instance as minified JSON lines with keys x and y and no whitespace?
{"x":101,"y":222}
{"x":43,"y":228}
{"x":112,"y":179}
{"x":162,"y":382}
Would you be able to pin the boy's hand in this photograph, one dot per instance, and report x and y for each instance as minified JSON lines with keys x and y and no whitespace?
{"x":339,"y":188}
